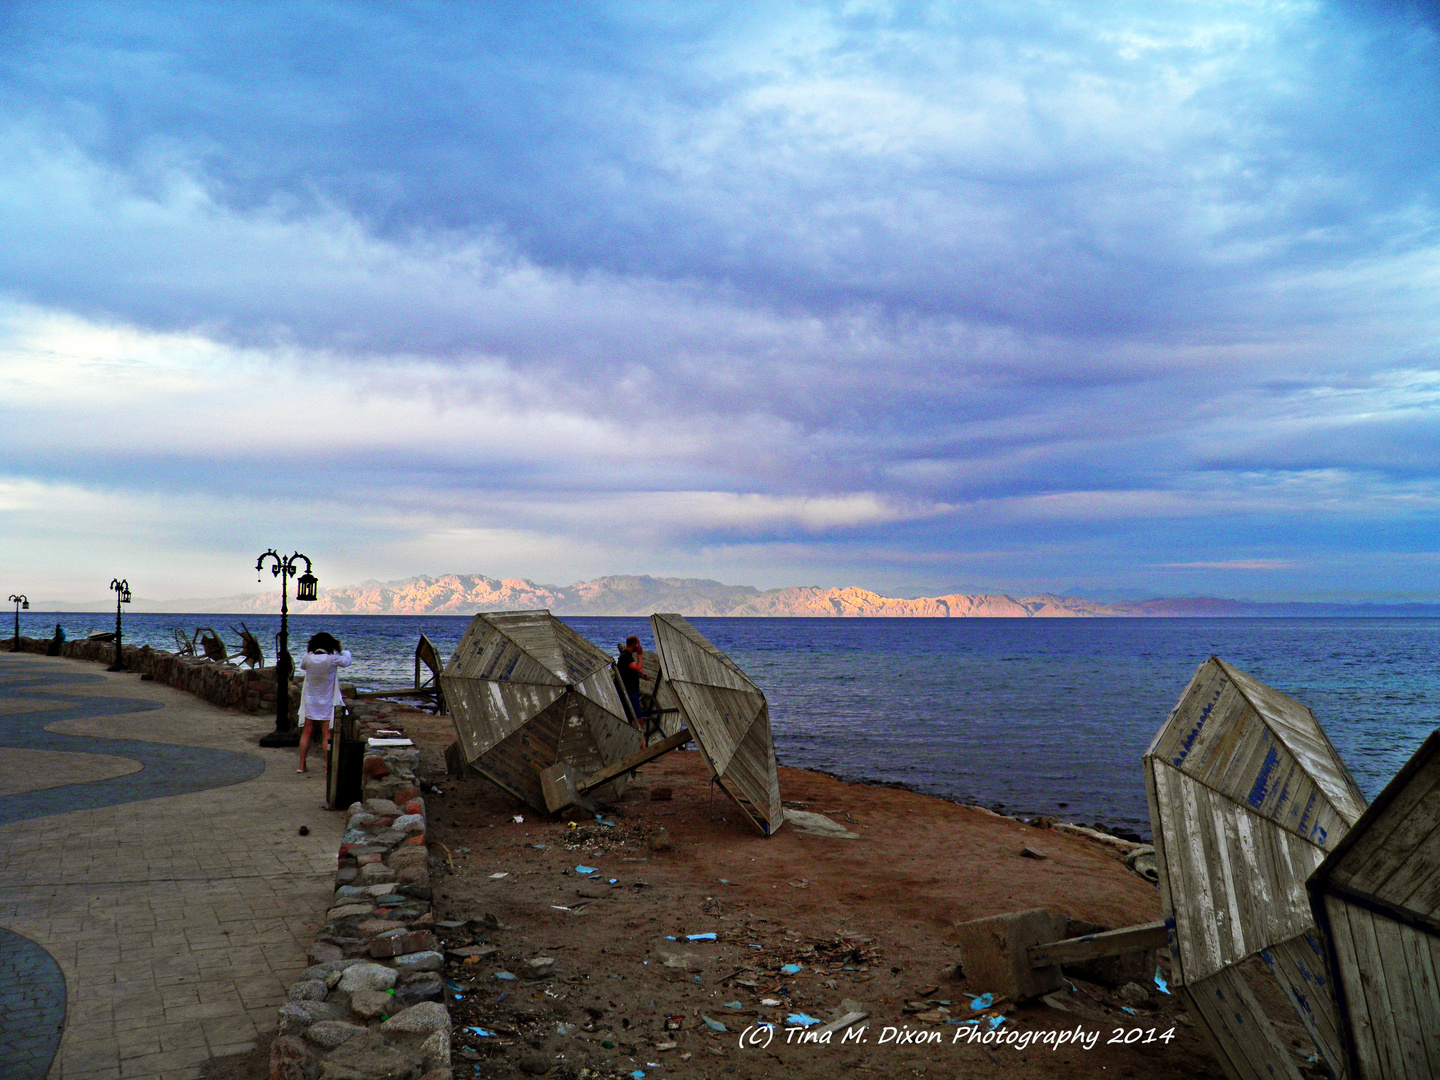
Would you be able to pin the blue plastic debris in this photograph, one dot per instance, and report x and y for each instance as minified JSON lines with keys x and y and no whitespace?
{"x":638,"y":1074}
{"x":701,"y":937}
{"x":735,"y":1005}
{"x":585,"y":869}
{"x":790,"y":969}
{"x":713,"y":1025}
{"x":614,"y":880}
{"x":669,"y":937}
{"x":801,"y":1020}
{"x":481,"y":1032}
{"x":996,"y":1021}
{"x":1160,"y":981}
{"x":1128,"y":1009}
{"x":504,"y":976}
{"x":984,"y":1001}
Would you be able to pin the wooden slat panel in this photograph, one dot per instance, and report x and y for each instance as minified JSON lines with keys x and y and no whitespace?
{"x":718,"y":716}
{"x":1153,"y":770}
{"x":1423,"y":951}
{"x":1375,"y":996}
{"x":689,"y":655}
{"x":1297,"y":727}
{"x":516,"y":763}
{"x":1299,"y":967}
{"x":1420,"y":869}
{"x":1225,"y":1007}
{"x":1389,"y":840}
{"x":1400,"y":994}
{"x":1361,"y":1026}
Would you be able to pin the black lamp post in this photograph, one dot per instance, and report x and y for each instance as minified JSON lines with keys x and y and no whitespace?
{"x":18,"y":601}
{"x":122,"y":596}
{"x":283,"y":567}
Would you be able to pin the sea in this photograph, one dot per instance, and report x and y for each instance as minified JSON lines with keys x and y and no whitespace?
{"x":1025,"y":716}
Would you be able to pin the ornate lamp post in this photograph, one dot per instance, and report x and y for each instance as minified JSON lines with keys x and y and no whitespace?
{"x":122,"y":596}
{"x":18,"y":600}
{"x":283,"y":567}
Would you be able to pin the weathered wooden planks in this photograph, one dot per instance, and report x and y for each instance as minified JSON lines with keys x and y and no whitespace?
{"x":1375,"y":898}
{"x":726,"y":713}
{"x":525,"y":691}
{"x":1247,"y":795}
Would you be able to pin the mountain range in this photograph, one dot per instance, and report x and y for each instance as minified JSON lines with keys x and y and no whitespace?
{"x":465,"y":594}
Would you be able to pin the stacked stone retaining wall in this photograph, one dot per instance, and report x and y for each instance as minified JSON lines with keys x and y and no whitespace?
{"x":251,"y":690}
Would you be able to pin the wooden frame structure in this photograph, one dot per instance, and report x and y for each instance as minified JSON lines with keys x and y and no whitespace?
{"x":525,"y":693}
{"x":726,"y":714}
{"x":1376,"y":898}
{"x":428,"y":689}
{"x":1247,"y":796}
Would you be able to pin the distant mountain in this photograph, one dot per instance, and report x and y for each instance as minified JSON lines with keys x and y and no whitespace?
{"x":465,"y":594}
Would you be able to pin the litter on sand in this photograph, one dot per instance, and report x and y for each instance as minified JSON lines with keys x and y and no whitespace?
{"x":519,"y":819}
{"x":713,"y":1025}
{"x":790,"y":969}
{"x":984,"y":1001}
{"x":502,"y":873}
{"x":700,"y":937}
{"x":1160,"y":981}
{"x":504,"y":976}
{"x":481,"y":1032}
{"x":585,"y":869}
{"x":735,"y":1005}
{"x":801,"y":1019}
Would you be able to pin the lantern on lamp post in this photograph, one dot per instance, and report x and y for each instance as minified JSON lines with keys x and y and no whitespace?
{"x":122,"y":596}
{"x":19,"y":600}
{"x":285,"y":567}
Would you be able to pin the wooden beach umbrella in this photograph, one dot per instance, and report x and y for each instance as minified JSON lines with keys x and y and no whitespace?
{"x":1247,"y":795}
{"x":1376,"y":897}
{"x":727,"y":715}
{"x":525,"y":692}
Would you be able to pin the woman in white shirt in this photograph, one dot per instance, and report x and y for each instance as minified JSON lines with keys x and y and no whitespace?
{"x":323,"y":659}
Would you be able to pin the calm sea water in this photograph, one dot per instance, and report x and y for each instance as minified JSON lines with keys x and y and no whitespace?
{"x":1034,"y":715}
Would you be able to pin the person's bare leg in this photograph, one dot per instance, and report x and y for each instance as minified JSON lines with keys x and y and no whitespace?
{"x":304,"y":743}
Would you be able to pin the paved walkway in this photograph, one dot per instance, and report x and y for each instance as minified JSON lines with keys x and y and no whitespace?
{"x":156,"y":898}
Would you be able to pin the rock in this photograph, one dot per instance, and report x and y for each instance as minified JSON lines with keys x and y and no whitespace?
{"x":331,"y":1033}
{"x":291,"y":1059}
{"x":345,"y":875}
{"x":382,"y":808}
{"x":420,"y":961}
{"x":660,"y":841}
{"x":421,"y":986}
{"x":326,"y":969}
{"x":407,"y":855}
{"x":535,"y":1064}
{"x":308,"y":990}
{"x":367,"y":977}
{"x":375,"y":767}
{"x":297,"y":1016}
{"x":362,"y":1059}
{"x":435,"y":1050}
{"x":539,"y":965}
{"x":375,"y":872}
{"x":345,"y":911}
{"x":348,"y":894}
{"x":1031,"y":853}
{"x":683,"y":961}
{"x":409,"y":824}
{"x":372,"y":928}
{"x":373,"y":1003}
{"x":321,"y":952}
{"x":1132,"y":993}
{"x":419,"y":1019}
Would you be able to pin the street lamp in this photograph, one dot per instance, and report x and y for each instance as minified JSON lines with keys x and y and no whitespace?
{"x":18,"y":601}
{"x":122,"y":596}
{"x":283,"y":567}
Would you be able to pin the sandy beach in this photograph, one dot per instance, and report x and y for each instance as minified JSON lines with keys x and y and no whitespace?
{"x":570,"y":952}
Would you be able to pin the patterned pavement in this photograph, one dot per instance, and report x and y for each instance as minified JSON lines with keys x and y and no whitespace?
{"x":153,"y":919}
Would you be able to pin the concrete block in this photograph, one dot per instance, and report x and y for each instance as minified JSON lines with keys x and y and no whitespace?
{"x":993,"y":953}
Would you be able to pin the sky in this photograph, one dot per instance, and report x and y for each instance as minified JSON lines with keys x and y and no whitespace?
{"x":1114,"y":299}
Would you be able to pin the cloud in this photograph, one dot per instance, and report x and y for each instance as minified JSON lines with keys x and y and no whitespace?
{"x":865,"y":288}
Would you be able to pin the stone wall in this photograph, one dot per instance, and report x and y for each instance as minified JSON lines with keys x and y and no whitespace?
{"x":227,"y":685}
{"x":372,"y":1003}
